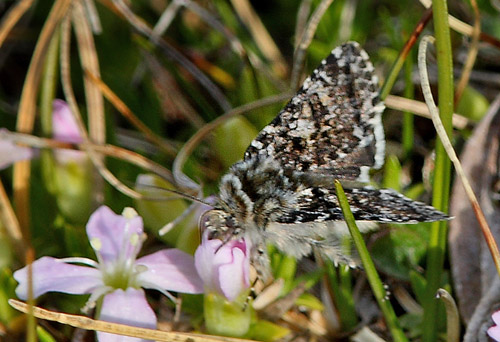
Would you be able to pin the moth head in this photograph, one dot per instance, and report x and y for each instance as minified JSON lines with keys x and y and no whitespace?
{"x":220,"y":225}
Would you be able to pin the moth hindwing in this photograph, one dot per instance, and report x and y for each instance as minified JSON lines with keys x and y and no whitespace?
{"x":283,"y":192}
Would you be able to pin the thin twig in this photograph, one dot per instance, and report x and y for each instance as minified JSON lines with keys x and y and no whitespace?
{"x":471,"y":55}
{"x":90,"y":62}
{"x":70,"y":98}
{"x":94,"y":100}
{"x":398,"y":63}
{"x":426,"y":90}
{"x":11,"y":18}
{"x":83,"y":322}
{"x":108,"y":150}
{"x":346,"y":19}
{"x":260,"y":35}
{"x":27,"y":108}
{"x":305,"y":40}
{"x":93,"y":16}
{"x":184,"y":181}
{"x":464,"y":28}
{"x":144,"y":29}
{"x":129,"y":115}
{"x":421,"y":109}
{"x":11,"y":224}
{"x":452,"y":318}
{"x":302,"y":15}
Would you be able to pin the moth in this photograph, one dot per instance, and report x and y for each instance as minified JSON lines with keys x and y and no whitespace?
{"x":283,"y":193}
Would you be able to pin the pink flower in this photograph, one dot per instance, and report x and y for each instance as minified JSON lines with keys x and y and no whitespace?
{"x":223,"y":267}
{"x":118,"y":275}
{"x":65,"y":128}
{"x":494,"y":331}
{"x":11,"y":153}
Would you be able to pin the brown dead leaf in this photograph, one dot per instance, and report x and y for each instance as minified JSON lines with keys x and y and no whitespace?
{"x":473,"y":269}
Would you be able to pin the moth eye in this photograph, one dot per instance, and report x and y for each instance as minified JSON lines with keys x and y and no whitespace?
{"x":230,"y":223}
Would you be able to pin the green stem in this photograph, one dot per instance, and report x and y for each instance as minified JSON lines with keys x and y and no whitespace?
{"x":398,"y":64}
{"x":407,"y":116}
{"x":441,"y":183}
{"x":371,"y":273}
{"x":341,"y":291}
{"x":49,"y":85}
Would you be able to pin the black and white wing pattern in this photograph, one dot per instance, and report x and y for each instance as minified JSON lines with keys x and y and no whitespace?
{"x":333,"y":124}
{"x":282,"y":192}
{"x":367,"y":204}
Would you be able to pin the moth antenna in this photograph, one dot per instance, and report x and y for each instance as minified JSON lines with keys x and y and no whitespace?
{"x":166,"y":228}
{"x":177,"y":192}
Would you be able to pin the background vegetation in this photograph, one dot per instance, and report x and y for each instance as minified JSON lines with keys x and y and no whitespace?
{"x":214,"y":75}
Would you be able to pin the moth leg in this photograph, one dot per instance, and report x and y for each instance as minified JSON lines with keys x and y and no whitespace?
{"x":251,"y":295}
{"x":332,"y":251}
{"x":260,"y":262}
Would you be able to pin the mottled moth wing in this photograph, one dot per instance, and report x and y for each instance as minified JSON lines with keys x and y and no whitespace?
{"x":283,"y":192}
{"x":333,"y":124}
{"x":367,"y":204}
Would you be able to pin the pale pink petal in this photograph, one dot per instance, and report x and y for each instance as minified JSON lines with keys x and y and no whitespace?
{"x":494,"y":332}
{"x":64,"y":126}
{"x":232,"y":275}
{"x":11,"y":153}
{"x":496,"y":317}
{"x":111,"y":235}
{"x":128,"y":307}
{"x":51,"y":274}
{"x":204,"y":263}
{"x":224,"y":268}
{"x":170,"y":270}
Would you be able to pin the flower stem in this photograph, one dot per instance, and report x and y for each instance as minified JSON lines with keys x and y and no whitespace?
{"x":226,"y":318}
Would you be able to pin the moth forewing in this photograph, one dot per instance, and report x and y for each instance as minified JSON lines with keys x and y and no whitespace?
{"x":282,"y":192}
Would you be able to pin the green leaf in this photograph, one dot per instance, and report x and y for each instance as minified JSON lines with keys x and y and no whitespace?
{"x":418,"y":284}
{"x":401,"y":250}
{"x":232,"y":138}
{"x":7,"y":286}
{"x":226,"y":318}
{"x":286,"y":271}
{"x":473,"y":104}
{"x":342,"y":296}
{"x":44,"y":335}
{"x":267,"y":331}
{"x":309,"y":301}
{"x":392,"y":174}
{"x":158,"y":213}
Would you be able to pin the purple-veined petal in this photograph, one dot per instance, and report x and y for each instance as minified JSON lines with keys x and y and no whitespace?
{"x":113,"y":235}
{"x":224,"y":268}
{"x":51,"y":274}
{"x":128,"y":307}
{"x":170,"y":270}
{"x":11,"y":153}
